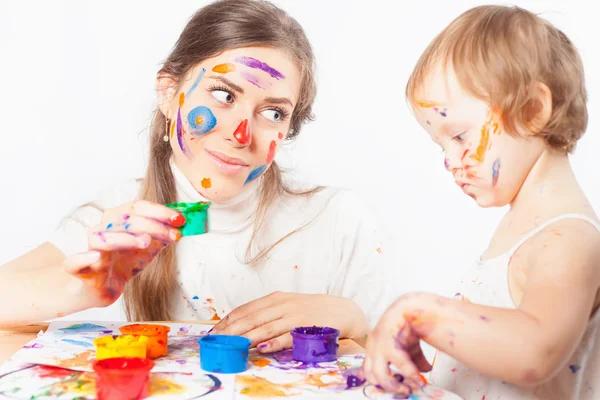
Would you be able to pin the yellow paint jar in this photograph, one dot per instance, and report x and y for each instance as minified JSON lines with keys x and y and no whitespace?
{"x":116,"y":346}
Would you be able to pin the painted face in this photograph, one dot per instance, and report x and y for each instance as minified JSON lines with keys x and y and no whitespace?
{"x":229,"y":117}
{"x":487,"y":163}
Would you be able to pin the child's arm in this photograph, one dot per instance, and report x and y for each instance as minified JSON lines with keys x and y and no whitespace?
{"x":525,"y":346}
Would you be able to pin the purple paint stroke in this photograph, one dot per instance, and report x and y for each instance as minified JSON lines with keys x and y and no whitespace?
{"x":256,"y":64}
{"x":253,"y":79}
{"x":180,"y":138}
{"x":495,"y":171}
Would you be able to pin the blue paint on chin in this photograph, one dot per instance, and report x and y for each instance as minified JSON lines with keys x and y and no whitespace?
{"x":255,"y":173}
{"x":208,"y":121}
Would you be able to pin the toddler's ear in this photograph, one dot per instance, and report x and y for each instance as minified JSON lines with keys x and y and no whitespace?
{"x":539,"y":108}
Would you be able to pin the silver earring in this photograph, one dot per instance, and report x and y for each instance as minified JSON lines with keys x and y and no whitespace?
{"x":291,"y":132}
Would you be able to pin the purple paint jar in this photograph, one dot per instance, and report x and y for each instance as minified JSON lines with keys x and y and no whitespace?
{"x":314,"y":344}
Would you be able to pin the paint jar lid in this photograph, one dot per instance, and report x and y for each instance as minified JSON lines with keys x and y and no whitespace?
{"x":145,"y":329}
{"x":315,"y":332}
{"x":196,"y":217}
{"x":119,"y":341}
{"x":124,"y":365}
{"x":224,"y":353}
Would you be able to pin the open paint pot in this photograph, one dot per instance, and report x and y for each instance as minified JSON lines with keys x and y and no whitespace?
{"x":223,"y":353}
{"x":115,"y":346}
{"x":123,"y":378}
{"x":196,"y":217}
{"x":157,"y":337}
{"x":314,"y":344}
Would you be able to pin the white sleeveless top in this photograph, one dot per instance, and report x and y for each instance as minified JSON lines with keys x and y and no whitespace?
{"x":487,"y":284}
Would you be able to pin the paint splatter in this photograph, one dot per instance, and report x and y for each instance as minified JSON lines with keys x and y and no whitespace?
{"x":495,"y":171}
{"x":86,"y":327}
{"x":110,"y":225}
{"x":574,"y":368}
{"x":256,"y":64}
{"x":255,"y":80}
{"x":78,"y":343}
{"x":224,"y":68}
{"x":216,"y":317}
{"x":428,"y":123}
{"x":180,"y":139}
{"x":426,"y":104}
{"x":484,"y":142}
{"x":242,"y":133}
{"x":272,"y":149}
{"x":484,"y":318}
{"x":196,"y":82}
{"x":255,"y":173}
{"x":447,"y":164}
{"x":201,"y":120}
{"x":261,"y":362}
{"x":181,"y":99}
{"x":195,"y":298}
{"x":280,"y":135}
{"x":295,"y":267}
{"x":206,"y":184}
{"x":254,"y":386}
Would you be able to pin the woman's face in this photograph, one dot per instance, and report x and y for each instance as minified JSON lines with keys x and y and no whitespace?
{"x":229,"y":115}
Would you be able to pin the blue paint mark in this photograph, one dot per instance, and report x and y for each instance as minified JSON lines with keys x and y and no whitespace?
{"x":86,"y":327}
{"x":206,"y":124}
{"x":195,"y":298}
{"x":255,"y":173}
{"x":574,"y":368}
{"x":196,"y":82}
{"x":127,"y":226}
{"x":495,"y":171}
{"x":78,"y":342}
{"x":180,"y":138}
{"x":109,"y":226}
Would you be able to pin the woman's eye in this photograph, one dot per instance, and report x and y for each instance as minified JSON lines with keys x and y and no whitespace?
{"x":222,"y":96}
{"x":272,"y":115}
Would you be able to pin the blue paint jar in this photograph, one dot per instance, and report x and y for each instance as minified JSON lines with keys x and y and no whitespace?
{"x":224,"y":354}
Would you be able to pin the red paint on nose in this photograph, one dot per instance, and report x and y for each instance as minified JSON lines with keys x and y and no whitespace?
{"x":242,"y":133}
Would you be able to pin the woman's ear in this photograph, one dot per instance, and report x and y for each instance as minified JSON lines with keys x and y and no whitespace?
{"x":541,"y":109}
{"x":166,"y":87}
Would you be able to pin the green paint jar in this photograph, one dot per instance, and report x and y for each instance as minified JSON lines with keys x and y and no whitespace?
{"x":196,"y":217}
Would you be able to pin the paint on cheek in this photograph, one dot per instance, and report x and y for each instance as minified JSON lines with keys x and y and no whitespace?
{"x":280,"y":135}
{"x":495,"y":171}
{"x":256,"y":64}
{"x":180,"y":136}
{"x":255,"y":80}
{"x":196,"y":82}
{"x":424,"y":104}
{"x":428,"y":123}
{"x":224,"y":68}
{"x":201,"y":120}
{"x":446,"y":164}
{"x":272,"y":149}
{"x":255,"y":173}
{"x":242,"y":133}
{"x":484,"y":142}
{"x":206,"y":184}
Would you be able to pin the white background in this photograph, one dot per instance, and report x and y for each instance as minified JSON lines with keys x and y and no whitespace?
{"x":77,"y":92}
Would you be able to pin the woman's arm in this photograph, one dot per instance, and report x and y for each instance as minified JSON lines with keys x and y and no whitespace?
{"x":37,"y":287}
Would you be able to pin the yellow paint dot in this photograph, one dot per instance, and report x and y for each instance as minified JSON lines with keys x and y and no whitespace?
{"x":181,"y":99}
{"x":206,"y":184}
{"x":199,"y":120}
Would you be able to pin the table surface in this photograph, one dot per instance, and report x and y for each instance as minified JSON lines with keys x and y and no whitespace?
{"x":13,"y":339}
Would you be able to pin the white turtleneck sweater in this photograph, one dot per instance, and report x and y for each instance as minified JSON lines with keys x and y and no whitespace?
{"x":338,"y":250}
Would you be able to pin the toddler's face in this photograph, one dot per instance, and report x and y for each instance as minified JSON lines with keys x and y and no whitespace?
{"x":487,"y":163}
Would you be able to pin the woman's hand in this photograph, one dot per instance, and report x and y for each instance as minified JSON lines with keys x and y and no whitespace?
{"x":123,"y":245}
{"x":267,"y":321}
